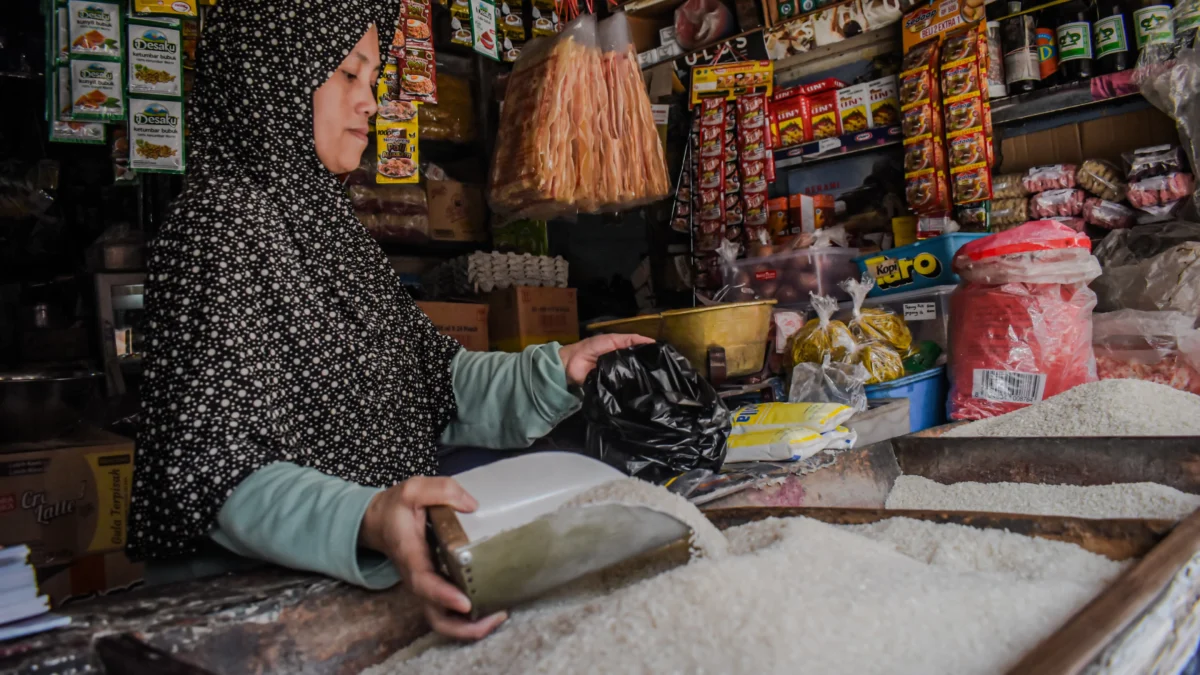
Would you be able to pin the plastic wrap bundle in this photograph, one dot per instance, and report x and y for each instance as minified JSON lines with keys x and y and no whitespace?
{"x":831,"y":382}
{"x":1167,"y":281}
{"x":1162,"y":347}
{"x":575,"y":120}
{"x":1022,"y":328}
{"x":1168,"y":74}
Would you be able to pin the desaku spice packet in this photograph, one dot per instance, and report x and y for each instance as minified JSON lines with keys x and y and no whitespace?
{"x":156,"y":136}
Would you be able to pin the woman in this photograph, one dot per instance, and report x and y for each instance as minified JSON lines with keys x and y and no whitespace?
{"x":294,"y":395}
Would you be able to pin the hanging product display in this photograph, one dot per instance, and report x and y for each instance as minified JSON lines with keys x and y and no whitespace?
{"x":925,"y":184}
{"x":155,"y":59}
{"x":95,"y":29}
{"x":156,"y":136}
{"x":968,"y":114}
{"x":576,"y":117}
{"x":97,"y":90}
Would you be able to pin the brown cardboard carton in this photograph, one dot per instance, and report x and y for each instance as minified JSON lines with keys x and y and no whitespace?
{"x":529,"y":315}
{"x":464,"y":322}
{"x":91,"y":575}
{"x":1103,"y":138}
{"x":66,"y":497}
{"x":456,"y":211}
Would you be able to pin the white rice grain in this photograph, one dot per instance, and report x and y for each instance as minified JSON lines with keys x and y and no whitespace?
{"x":1104,"y":408}
{"x":1124,"y":500}
{"x":793,"y":595}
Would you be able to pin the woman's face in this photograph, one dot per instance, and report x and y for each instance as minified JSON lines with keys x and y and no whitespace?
{"x":343,"y":106}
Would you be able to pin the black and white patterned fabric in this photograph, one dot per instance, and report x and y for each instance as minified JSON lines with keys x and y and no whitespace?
{"x":276,"y":330}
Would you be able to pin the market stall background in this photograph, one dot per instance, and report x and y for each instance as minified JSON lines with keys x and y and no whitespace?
{"x":842,"y":164}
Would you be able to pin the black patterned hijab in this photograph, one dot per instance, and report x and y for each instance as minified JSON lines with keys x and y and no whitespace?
{"x":276,"y":329}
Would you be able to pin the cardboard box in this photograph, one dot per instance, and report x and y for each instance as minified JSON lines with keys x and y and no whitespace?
{"x":67,"y":497}
{"x":820,"y":86}
{"x":883,"y":101}
{"x":90,"y":576}
{"x":791,"y":122}
{"x":529,"y":315}
{"x":1103,"y":138}
{"x":825,"y":121}
{"x":644,"y":31}
{"x":852,"y":109}
{"x":467,"y":323}
{"x":456,"y":211}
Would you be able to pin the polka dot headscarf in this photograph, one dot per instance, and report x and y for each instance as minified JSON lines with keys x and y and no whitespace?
{"x":276,"y":330}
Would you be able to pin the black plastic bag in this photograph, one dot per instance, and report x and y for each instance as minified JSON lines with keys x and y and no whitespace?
{"x":651,"y":415}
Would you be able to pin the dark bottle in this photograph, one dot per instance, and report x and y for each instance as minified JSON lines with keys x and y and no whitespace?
{"x":1152,"y":23}
{"x":1022,"y":71}
{"x":1112,"y":38}
{"x":1047,"y":44}
{"x":1075,"y":54}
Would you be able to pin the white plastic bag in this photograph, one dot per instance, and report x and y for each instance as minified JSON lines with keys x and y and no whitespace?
{"x":828,"y":382}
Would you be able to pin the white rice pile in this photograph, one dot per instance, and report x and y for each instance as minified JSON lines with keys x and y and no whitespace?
{"x":1123,"y":500}
{"x":797,"y":595}
{"x":1104,"y":408}
{"x":706,"y":539}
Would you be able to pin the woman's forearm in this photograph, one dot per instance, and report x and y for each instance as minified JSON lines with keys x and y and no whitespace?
{"x":508,"y":400}
{"x":303,"y":519}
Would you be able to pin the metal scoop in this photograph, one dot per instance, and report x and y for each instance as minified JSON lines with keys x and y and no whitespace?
{"x":520,"y":544}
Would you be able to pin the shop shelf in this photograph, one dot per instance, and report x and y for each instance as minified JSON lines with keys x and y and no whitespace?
{"x":831,"y":148}
{"x":1064,"y":98}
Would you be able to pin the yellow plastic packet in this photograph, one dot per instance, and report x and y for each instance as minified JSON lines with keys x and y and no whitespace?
{"x":166,"y":7}
{"x":819,"y":417}
{"x":774,"y":445}
{"x":872,"y":324}
{"x":822,"y":335}
{"x":881,"y":361}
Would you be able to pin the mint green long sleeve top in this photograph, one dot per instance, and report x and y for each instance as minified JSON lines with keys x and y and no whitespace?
{"x":303,"y":519}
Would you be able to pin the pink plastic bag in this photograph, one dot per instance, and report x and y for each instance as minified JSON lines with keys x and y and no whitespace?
{"x":1022,"y":328}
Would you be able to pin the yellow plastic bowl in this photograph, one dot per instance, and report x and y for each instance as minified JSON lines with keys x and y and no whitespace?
{"x":741,"y":328}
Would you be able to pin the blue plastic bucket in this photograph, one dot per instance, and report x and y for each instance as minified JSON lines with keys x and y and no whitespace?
{"x":926,"y":393}
{"x":920,"y":265}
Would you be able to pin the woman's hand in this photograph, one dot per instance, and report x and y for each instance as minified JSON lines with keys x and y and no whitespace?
{"x":580,"y":358}
{"x":394,"y":525}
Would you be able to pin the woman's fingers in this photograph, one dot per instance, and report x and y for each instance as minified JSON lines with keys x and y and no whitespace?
{"x":417,"y":567}
{"x":623,"y":341}
{"x":420,"y":492}
{"x":460,"y":628}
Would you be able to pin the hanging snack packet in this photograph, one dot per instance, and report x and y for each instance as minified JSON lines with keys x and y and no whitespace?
{"x":821,"y":336}
{"x":95,"y":29}
{"x":88,"y":133}
{"x":62,"y":35}
{"x":397,"y":152}
{"x":775,"y":445}
{"x":872,"y":324}
{"x":155,"y":60}
{"x":61,"y":95}
{"x":156,"y":136}
{"x":819,"y":417}
{"x":166,"y":7}
{"x":97,"y":92}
